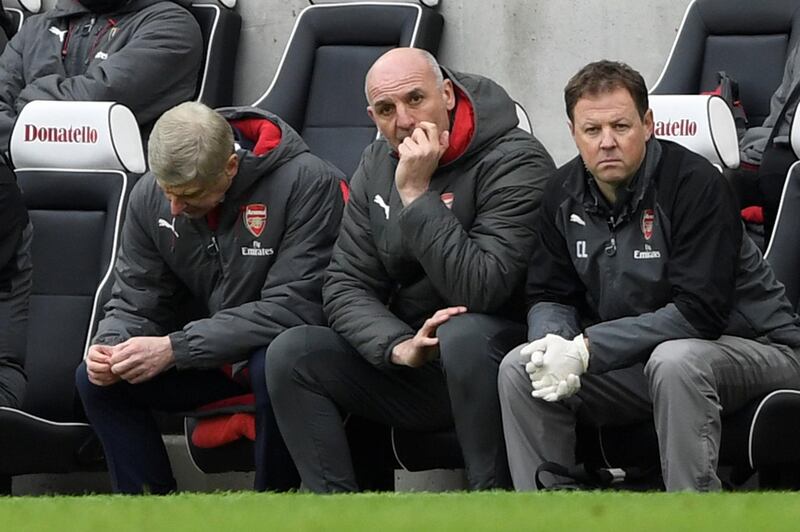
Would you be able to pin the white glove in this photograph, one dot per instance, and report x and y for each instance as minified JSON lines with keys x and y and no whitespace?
{"x":551,"y":361}
{"x":561,"y":390}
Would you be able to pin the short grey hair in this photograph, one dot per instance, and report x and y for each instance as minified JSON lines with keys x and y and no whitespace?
{"x":190,"y":142}
{"x":429,"y":58}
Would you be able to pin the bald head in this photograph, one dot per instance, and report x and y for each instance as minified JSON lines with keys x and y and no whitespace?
{"x":399,"y":61}
{"x":404,"y":88}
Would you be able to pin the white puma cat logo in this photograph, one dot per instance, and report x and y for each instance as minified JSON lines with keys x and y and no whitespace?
{"x":171,"y":226}
{"x":382,"y":204}
{"x":574,"y":218}
{"x":58,"y":32}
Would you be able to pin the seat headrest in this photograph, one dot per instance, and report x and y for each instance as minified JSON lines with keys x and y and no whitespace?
{"x":77,"y":135}
{"x":794,"y":135}
{"x":32,"y":6}
{"x":701,"y":123}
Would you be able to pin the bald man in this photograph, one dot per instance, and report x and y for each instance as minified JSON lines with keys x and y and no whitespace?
{"x":424,"y":287}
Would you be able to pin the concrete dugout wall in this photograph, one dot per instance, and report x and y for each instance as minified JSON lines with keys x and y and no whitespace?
{"x":531,"y":47}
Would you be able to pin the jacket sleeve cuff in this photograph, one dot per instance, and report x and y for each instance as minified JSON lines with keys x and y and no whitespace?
{"x":387,"y":355}
{"x":180,"y":350}
{"x":552,"y":318}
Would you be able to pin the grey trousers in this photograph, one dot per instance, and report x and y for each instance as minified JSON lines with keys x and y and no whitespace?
{"x":686,"y":386}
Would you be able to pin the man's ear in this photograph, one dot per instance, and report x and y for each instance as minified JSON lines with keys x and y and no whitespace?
{"x":232,"y":166}
{"x":571,"y":128}
{"x":448,"y":94}
{"x":371,"y":114}
{"x":648,"y":123}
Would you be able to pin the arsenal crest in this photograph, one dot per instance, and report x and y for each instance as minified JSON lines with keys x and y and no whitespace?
{"x":648,"y":218}
{"x":255,"y":218}
{"x":447,"y":199}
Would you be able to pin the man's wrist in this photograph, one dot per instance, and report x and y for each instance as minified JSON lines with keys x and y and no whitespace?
{"x":409,"y":195}
{"x":581,"y":343}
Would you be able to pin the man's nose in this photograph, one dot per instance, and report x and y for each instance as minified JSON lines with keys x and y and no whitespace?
{"x":176,"y":206}
{"x":405,"y":120}
{"x":607,"y":139}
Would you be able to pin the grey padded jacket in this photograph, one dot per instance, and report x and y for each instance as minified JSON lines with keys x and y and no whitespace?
{"x":249,"y":287}
{"x":147,"y":57}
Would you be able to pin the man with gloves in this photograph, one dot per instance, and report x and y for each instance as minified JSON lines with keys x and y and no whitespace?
{"x":244,"y":232}
{"x":144,"y":54}
{"x":646,"y":299}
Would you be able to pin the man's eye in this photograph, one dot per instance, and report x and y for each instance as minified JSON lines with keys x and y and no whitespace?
{"x":621,"y":127}
{"x":415,"y":98}
{"x":385,"y":111}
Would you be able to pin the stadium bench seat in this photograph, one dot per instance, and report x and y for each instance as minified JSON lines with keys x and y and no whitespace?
{"x":748,"y":40}
{"x":220,"y":26}
{"x":16,"y":12}
{"x":319,"y":85}
{"x":75,"y":163}
{"x":319,"y":90}
{"x":19,"y":10}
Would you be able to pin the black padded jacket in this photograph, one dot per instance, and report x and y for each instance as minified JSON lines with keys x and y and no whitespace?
{"x":146,"y":56}
{"x":464,"y":242}
{"x":670,"y":261}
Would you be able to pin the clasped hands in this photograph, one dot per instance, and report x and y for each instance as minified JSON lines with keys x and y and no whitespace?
{"x":135,"y":360}
{"x":555,"y":365}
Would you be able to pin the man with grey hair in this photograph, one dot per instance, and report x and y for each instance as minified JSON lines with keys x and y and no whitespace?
{"x":243,"y":236}
{"x":423,"y":291}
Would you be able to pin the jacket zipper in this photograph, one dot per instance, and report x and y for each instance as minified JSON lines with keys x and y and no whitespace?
{"x":611,"y":248}
{"x":213,"y":250}
{"x":110,"y":24}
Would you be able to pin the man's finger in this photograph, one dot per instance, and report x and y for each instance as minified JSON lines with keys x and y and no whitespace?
{"x":543,"y":392}
{"x":420,"y":135}
{"x":123,"y":367}
{"x":429,"y":129}
{"x":536,"y":345}
{"x":123,"y":352}
{"x":428,"y":341}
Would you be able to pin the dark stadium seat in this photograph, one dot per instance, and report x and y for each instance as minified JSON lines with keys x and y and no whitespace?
{"x":19,"y":10}
{"x":319,"y":90}
{"x":748,"y":40}
{"x":16,"y":11}
{"x":220,"y":26}
{"x":75,"y":163}
{"x":319,"y":85}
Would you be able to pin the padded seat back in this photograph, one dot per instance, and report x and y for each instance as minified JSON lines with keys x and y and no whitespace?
{"x":76,"y":215}
{"x":19,"y":10}
{"x":749,"y":40}
{"x":701,"y":123}
{"x":319,"y":86}
{"x":220,"y":26}
{"x":783,"y":252}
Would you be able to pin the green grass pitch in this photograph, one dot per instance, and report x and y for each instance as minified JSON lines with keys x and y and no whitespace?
{"x":547,"y":512}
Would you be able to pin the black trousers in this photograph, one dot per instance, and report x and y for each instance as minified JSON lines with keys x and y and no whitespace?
{"x":121,"y":414}
{"x":764,"y":185}
{"x":771,"y":177}
{"x":315,"y":377}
